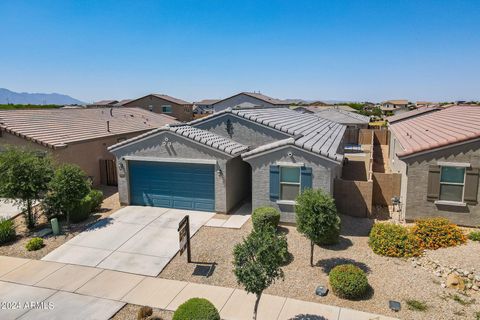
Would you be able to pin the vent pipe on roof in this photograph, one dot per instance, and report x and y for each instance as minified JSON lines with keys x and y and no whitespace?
{"x":111,"y":112}
{"x":108,"y":126}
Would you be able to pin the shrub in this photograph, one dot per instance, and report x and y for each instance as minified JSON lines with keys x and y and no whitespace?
{"x":392,"y":240}
{"x":34,"y":244}
{"x":474,"y":236}
{"x":416,"y":305}
{"x":96,"y":197}
{"x":196,"y":308}
{"x":264,"y":216}
{"x":144,"y":312}
{"x":348,"y":281}
{"x":7,"y":230}
{"x":82,"y":211}
{"x":434,"y":233}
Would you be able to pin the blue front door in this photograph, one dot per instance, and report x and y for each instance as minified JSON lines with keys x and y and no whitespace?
{"x":172,"y":185}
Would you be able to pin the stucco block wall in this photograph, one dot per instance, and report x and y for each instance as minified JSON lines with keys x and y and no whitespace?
{"x":239,"y":99}
{"x":323,"y":174}
{"x":417,"y":205}
{"x":85,"y":154}
{"x":180,"y":147}
{"x":181,"y":112}
{"x":242,"y":131}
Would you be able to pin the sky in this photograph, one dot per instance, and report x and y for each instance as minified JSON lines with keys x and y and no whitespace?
{"x":357,"y":50}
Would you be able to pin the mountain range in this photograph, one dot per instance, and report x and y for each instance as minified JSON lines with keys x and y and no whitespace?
{"x":11,"y":97}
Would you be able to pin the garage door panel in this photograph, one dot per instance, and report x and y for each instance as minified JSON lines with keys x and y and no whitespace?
{"x":172,"y":185}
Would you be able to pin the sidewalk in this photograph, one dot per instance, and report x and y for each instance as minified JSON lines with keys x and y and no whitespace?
{"x":63,"y":291}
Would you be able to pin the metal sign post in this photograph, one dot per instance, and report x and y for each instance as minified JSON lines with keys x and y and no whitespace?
{"x":184,"y":237}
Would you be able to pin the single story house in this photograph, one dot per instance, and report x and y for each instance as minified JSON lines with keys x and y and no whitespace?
{"x":411,"y":114}
{"x":249,"y":100}
{"x":78,"y":136}
{"x":438,"y":156}
{"x":352,"y":120}
{"x":394,"y":106}
{"x":164,"y":104}
{"x":217,"y":163}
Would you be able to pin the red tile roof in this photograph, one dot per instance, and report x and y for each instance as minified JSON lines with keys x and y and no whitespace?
{"x":56,"y":128}
{"x":437,"y":129}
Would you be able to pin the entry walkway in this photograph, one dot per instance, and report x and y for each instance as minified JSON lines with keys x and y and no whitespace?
{"x":39,"y":289}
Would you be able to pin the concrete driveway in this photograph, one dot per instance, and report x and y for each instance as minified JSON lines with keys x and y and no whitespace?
{"x":140,"y":240}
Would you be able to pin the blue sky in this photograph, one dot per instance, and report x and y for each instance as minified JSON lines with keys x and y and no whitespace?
{"x":353,"y":50}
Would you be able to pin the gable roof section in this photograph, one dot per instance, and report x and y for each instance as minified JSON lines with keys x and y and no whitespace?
{"x":344,"y":117}
{"x":161,"y":96}
{"x":396,"y":102}
{"x":207,"y":138}
{"x":56,"y":128}
{"x":258,"y":96}
{"x":411,"y":114}
{"x":437,"y":129}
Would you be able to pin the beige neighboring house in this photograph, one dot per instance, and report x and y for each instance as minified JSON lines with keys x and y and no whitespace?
{"x":78,"y":136}
{"x":164,"y":104}
{"x":395,"y":106}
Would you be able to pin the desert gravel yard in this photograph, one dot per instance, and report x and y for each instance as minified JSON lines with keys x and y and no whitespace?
{"x":391,"y":278}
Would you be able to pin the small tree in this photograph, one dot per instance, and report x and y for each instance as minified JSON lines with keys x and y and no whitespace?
{"x":258,"y":259}
{"x":24,"y":176}
{"x":317,"y":218}
{"x":67,"y":188}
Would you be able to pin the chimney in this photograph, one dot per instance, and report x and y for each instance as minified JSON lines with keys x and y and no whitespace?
{"x":108,"y":126}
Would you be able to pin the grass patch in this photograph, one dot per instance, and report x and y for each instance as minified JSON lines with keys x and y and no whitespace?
{"x":416,"y":305}
{"x":477,"y":315}
{"x":461,"y":301}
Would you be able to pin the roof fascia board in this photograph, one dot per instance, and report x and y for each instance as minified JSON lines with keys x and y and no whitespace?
{"x":295,"y":147}
{"x":175,"y":160}
{"x":420,"y":153}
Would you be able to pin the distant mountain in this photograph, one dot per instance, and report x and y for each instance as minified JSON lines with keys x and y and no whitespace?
{"x":10,"y":97}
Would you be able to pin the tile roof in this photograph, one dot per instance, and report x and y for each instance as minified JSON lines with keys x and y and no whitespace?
{"x":202,"y":136}
{"x":171,"y":99}
{"x":104,"y":102}
{"x":207,"y":101}
{"x":319,"y":108}
{"x":396,"y":101}
{"x":344,"y":117}
{"x":259,"y":96}
{"x":412,"y":113}
{"x":56,"y":128}
{"x":437,"y":129}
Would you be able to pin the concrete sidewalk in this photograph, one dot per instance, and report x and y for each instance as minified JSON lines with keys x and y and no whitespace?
{"x":64,"y":291}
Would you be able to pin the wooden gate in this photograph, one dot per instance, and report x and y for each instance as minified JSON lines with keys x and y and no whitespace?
{"x":108,"y":172}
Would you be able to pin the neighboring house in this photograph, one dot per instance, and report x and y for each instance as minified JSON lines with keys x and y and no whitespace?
{"x":123,"y":102}
{"x":249,"y":100}
{"x":411,"y":114}
{"x":164,"y":104}
{"x":266,"y":156}
{"x":421,"y":104}
{"x":319,"y":108}
{"x":204,"y":107}
{"x":103,"y":104}
{"x":78,"y":136}
{"x":438,"y":155}
{"x":394,"y":106}
{"x":352,"y":120}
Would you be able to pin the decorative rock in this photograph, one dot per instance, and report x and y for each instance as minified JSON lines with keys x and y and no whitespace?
{"x":476,"y":288}
{"x":321,"y":291}
{"x":438,"y":274}
{"x":455,"y":282}
{"x":477,"y":277}
{"x":469,"y":285}
{"x":443,"y":285}
{"x":470,"y":276}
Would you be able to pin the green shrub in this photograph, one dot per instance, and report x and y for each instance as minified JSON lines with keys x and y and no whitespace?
{"x":434,"y":233}
{"x":96,"y":197}
{"x":196,"y":308}
{"x":7,"y":230}
{"x":82,"y":211}
{"x":416,"y":305}
{"x":474,"y":236}
{"x":392,"y":240}
{"x":34,"y":244}
{"x":264,"y":216}
{"x":348,"y":281}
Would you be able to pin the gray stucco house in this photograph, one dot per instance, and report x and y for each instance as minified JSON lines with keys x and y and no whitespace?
{"x":248,"y":100}
{"x":438,"y":156}
{"x":217,"y":163}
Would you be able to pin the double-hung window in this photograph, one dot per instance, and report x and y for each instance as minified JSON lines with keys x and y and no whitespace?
{"x":289,"y":183}
{"x":452,"y":183}
{"x":166,"y":108}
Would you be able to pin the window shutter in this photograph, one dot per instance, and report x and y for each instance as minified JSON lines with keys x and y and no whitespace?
{"x":433,"y":191}
{"x":274,"y":182}
{"x":471,"y":186}
{"x":306,"y":179}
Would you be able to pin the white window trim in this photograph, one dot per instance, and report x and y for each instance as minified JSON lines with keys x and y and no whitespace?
{"x":449,"y":202}
{"x":453,"y":164}
{"x":167,"y":106}
{"x":299,"y":183}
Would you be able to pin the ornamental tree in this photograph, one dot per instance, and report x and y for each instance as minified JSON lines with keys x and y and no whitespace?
{"x":317,"y":218}
{"x":24,"y":176}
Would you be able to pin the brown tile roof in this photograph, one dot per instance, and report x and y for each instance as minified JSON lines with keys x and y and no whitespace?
{"x":171,"y":99}
{"x":259,"y":96}
{"x":437,"y":129}
{"x":396,"y":101}
{"x":104,"y":102}
{"x":122,"y":102}
{"x":56,"y":128}
{"x":411,"y":114}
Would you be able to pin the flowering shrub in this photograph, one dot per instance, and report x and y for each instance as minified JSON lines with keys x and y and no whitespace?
{"x":393,"y":240}
{"x":434,"y":233}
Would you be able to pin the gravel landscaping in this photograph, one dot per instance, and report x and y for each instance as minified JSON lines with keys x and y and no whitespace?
{"x":130,"y":312}
{"x":390,"y":278}
{"x":17,"y":248}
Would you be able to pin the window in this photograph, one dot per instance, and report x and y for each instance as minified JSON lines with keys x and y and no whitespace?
{"x":452,"y":183}
{"x":167,"y":109}
{"x":289,"y":183}
{"x":150,"y":107}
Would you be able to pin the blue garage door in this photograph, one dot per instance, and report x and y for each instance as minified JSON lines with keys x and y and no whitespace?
{"x":172,"y":185}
